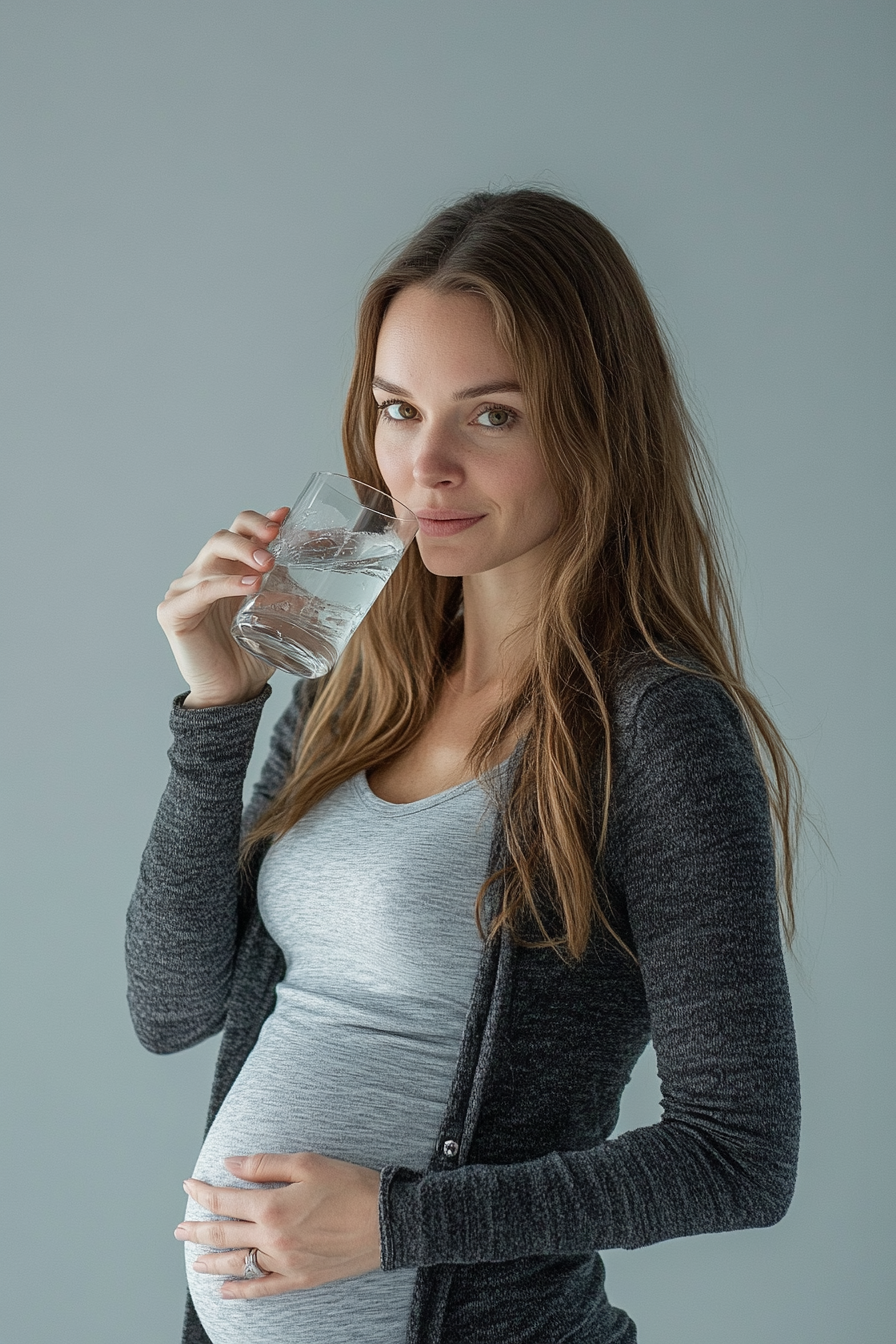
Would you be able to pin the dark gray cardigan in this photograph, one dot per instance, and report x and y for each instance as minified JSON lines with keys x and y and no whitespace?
{"x":524,"y":1188}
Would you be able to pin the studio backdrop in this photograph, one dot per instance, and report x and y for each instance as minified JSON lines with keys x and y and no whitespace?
{"x":193,"y":196}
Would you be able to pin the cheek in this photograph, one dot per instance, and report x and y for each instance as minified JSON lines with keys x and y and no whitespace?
{"x":544,"y":515}
{"x":388,"y":464}
{"x":536,"y":499}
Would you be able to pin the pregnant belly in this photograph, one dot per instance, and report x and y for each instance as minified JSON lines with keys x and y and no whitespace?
{"x":345,"y":1102}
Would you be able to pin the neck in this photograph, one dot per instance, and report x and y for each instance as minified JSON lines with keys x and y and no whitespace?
{"x":499,"y":608}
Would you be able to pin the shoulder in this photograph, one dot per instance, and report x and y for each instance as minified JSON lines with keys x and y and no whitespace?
{"x":683,"y":688}
{"x":690,"y":810}
{"x":675,"y":718}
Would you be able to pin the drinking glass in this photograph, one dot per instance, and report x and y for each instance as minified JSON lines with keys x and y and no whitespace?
{"x":335,"y":550}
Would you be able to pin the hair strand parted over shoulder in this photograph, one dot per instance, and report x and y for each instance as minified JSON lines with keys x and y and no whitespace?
{"x":637,"y":563}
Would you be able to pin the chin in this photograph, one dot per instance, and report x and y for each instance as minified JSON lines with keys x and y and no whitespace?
{"x":445,"y":569}
{"x":439,"y":560}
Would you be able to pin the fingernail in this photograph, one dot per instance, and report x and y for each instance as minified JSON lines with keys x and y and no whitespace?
{"x":261,"y":557}
{"x":234,"y":1161}
{"x":250,"y":578}
{"x":187,"y":1185}
{"x":181,"y":1233}
{"x":228,"y":1292}
{"x":200,"y":1266}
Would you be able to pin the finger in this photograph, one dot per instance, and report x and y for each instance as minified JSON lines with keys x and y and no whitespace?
{"x":226,"y":1200}
{"x":185,"y":610}
{"x":228,"y":1262}
{"x":252,"y":524}
{"x":226,"y":1234}
{"x":313,"y":1274}
{"x":249,"y":550}
{"x":277,"y":515}
{"x":266,"y":1287}
{"x":189,"y":581}
{"x":269,"y":1167}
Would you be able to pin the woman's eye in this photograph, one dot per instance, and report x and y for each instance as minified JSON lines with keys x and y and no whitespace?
{"x":496,"y":417}
{"x":398,"y":410}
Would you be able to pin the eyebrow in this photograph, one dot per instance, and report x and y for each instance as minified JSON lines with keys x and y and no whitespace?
{"x":465,"y":393}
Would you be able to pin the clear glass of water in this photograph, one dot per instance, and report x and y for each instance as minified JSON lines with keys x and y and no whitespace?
{"x":335,"y":550}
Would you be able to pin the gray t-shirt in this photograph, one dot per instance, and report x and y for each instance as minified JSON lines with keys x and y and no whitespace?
{"x":372,"y":904}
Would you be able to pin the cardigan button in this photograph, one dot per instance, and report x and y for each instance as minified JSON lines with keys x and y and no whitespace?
{"x":451,"y":1148}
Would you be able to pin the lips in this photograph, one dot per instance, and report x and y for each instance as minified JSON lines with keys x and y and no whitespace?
{"x":445,"y":515}
{"x":445,"y":524}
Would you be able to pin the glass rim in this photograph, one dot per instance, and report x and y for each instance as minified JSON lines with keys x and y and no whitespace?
{"x":340,"y":476}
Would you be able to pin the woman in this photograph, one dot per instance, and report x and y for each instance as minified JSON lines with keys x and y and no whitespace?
{"x":526,"y":824}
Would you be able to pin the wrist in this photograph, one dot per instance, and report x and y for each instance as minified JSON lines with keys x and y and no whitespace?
{"x":208,"y":700}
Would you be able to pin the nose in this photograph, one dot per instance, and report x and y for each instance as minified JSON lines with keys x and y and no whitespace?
{"x":437,"y":460}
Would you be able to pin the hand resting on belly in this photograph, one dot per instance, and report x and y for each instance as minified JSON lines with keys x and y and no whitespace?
{"x":321,"y":1225}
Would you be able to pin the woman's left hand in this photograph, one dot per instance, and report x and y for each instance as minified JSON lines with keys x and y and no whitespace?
{"x":322,"y":1225}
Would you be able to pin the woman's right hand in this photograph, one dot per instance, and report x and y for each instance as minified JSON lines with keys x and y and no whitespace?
{"x":198,"y":609}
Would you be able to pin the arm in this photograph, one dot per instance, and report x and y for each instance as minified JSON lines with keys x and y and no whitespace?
{"x":692,"y":856}
{"x":182,"y":923}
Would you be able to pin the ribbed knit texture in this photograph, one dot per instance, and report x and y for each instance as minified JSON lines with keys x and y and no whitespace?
{"x":506,"y":1233}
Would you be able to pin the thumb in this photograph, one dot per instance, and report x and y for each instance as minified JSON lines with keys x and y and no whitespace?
{"x":265,"y":1167}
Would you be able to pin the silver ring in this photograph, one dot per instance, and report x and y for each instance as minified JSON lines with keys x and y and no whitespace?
{"x":252,"y":1270}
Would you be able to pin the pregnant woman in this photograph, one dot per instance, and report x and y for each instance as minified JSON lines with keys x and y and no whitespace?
{"x":532,"y":819}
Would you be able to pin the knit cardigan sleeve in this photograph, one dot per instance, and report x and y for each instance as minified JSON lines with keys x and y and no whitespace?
{"x":691,"y":855}
{"x":185,"y":916}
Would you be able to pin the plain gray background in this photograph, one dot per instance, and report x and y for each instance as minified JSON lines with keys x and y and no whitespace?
{"x":193,"y":194}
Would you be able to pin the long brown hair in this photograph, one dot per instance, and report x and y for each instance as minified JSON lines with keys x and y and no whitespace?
{"x":636,"y":564}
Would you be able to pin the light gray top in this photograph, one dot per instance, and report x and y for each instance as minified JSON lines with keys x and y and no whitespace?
{"x":372,"y":904}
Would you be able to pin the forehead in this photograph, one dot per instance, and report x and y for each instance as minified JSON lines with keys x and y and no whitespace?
{"x":427,"y":336}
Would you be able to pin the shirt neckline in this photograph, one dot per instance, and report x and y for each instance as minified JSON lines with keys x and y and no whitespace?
{"x":374,"y":801}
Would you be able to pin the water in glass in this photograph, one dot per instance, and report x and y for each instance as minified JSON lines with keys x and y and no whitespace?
{"x":315,"y":597}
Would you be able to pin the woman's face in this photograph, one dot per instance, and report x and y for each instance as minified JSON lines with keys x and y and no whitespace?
{"x":453,"y":439}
